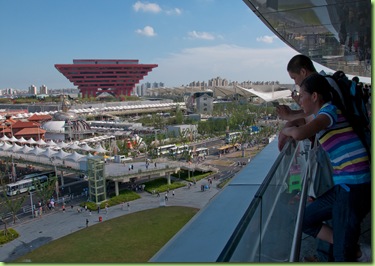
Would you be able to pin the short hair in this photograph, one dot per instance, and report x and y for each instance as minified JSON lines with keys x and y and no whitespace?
{"x":298,"y":62}
{"x":355,"y":79}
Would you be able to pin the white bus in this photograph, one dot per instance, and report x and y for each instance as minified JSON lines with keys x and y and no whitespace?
{"x":27,"y":184}
{"x":163,"y":150}
{"x":180,"y":150}
{"x":35,"y":175}
{"x":232,"y":136}
{"x":202,"y":151}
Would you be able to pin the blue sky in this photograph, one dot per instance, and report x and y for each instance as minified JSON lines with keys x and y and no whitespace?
{"x":193,"y":40}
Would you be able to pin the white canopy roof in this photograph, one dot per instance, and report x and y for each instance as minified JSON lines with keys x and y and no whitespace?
{"x":16,"y":147}
{"x":13,"y":139}
{"x":31,"y":141}
{"x":22,"y":140}
{"x":4,"y":138}
{"x":26,"y":149}
{"x":86,"y":147}
{"x":37,"y":150}
{"x":61,"y":154}
{"x":75,"y":157}
{"x":62,"y":144}
{"x":49,"y":153}
{"x":6,"y":146}
{"x":41,"y":142}
{"x":100,"y":149}
{"x":74,"y":146}
{"x":51,"y":143}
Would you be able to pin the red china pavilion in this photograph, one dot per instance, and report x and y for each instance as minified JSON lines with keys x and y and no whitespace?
{"x":95,"y":76}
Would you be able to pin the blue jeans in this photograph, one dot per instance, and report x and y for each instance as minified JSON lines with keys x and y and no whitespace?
{"x":346,"y":205}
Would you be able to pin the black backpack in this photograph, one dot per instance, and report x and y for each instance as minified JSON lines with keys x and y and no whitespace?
{"x":354,"y":107}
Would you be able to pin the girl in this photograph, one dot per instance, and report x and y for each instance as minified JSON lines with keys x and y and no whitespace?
{"x":348,"y":201}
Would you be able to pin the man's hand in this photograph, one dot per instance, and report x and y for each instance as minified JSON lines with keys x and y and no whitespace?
{"x":283,"y":111}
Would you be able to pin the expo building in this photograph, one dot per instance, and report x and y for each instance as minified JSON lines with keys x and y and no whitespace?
{"x":114,"y":76}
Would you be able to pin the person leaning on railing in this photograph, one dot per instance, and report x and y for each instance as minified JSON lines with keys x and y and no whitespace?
{"x":348,"y":201}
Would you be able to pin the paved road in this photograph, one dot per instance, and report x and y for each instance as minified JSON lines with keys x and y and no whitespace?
{"x":35,"y":232}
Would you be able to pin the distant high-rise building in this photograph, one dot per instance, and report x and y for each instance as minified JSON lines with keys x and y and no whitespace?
{"x":33,"y":90}
{"x":9,"y":91}
{"x":43,"y":89}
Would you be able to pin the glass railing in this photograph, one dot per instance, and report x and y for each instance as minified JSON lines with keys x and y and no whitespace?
{"x":265,"y":233}
{"x":253,"y":219}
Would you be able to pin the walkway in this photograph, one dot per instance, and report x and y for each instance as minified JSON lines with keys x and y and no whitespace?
{"x":39,"y":231}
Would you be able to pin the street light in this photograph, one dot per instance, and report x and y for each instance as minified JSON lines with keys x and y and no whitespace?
{"x":31,"y":202}
{"x":57,"y":179}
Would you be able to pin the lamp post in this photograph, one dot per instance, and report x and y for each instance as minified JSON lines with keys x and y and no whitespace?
{"x":31,"y":202}
{"x":57,"y":179}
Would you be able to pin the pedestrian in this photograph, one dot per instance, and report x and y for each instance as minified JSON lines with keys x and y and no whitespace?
{"x":158,"y":194}
{"x":63,"y":208}
{"x":173,"y":193}
{"x":166,"y":197}
{"x":85,"y":207}
{"x":98,"y":208}
{"x":128,"y":206}
{"x":132,"y":166}
{"x":87,"y":222}
{"x":122,"y":206}
{"x":155,"y":164}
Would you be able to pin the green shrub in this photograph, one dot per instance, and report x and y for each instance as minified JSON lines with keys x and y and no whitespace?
{"x":11,"y":235}
{"x":124,"y":196}
{"x":197,"y":175}
{"x":161,"y":185}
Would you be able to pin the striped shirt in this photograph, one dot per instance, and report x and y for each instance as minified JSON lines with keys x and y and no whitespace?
{"x":348,"y":156}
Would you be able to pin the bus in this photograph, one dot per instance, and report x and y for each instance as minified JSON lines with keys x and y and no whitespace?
{"x":180,"y":150}
{"x":230,"y":137}
{"x":34,"y":175}
{"x":164,"y":150}
{"x":202,"y":151}
{"x":28,"y":183}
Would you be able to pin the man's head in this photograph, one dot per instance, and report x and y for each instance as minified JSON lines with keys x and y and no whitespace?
{"x":300,"y":67}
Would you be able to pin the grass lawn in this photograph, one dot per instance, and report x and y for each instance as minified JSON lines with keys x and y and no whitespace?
{"x":134,"y":237}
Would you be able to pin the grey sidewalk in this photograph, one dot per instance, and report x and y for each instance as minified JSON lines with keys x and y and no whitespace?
{"x":39,"y":231}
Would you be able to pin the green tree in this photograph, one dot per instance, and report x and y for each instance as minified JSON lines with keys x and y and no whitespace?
{"x":45,"y":190}
{"x":12,"y":205}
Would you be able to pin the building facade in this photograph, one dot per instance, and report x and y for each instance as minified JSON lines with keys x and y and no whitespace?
{"x":96,"y":76}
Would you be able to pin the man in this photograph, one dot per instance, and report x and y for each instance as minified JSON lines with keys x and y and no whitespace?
{"x":299,"y":68}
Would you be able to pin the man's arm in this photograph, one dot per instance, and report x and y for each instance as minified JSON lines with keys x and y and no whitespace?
{"x":285,"y":113}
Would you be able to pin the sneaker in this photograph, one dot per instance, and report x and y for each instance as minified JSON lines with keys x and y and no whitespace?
{"x":366,"y":253}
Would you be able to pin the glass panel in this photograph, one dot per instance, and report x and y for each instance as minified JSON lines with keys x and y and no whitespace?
{"x":269,"y":233}
{"x":334,"y":34}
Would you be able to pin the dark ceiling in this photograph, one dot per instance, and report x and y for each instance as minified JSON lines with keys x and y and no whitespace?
{"x":333,"y":33}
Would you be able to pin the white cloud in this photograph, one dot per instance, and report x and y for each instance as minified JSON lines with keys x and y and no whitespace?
{"x":146,"y":7}
{"x":154,"y":8}
{"x":227,"y":61}
{"x":174,"y":11}
{"x":147,"y":31}
{"x":201,"y":35}
{"x":266,"y":39}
